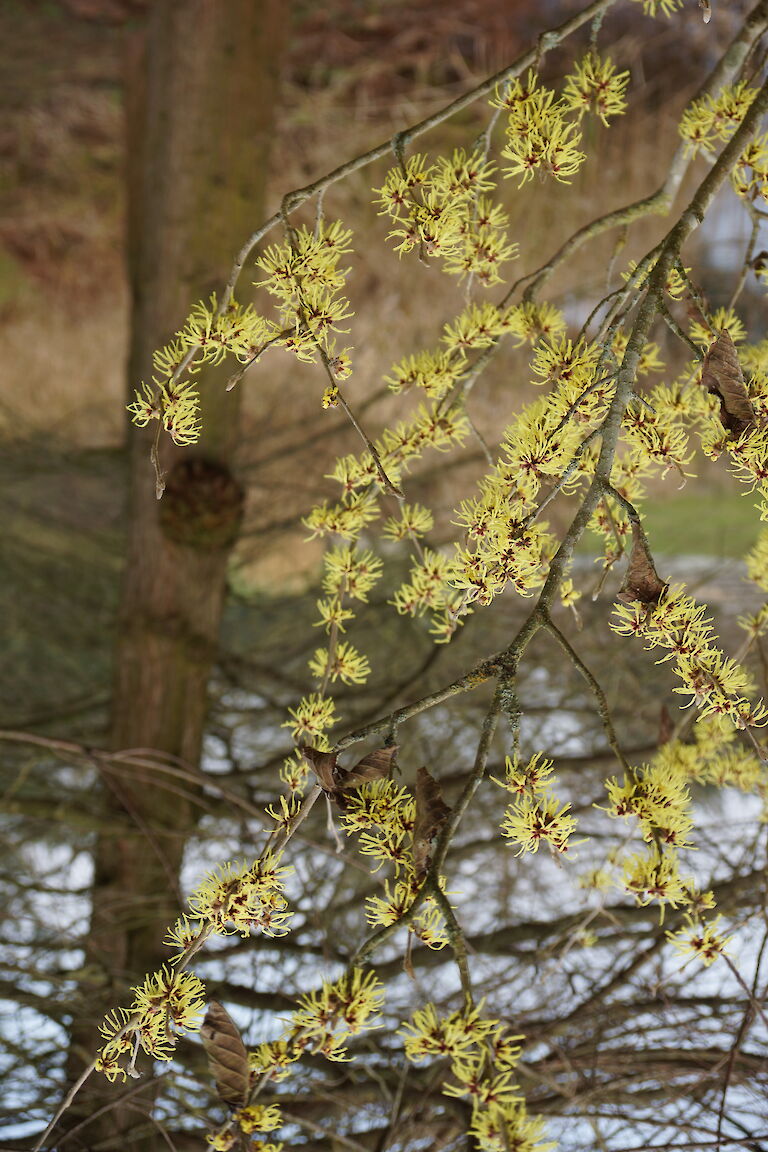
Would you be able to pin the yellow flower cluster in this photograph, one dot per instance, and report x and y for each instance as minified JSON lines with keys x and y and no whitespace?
{"x":750,"y":177}
{"x":664,"y":7}
{"x":717,"y":685}
{"x":175,"y":405}
{"x":303,"y":275}
{"x":440,"y":209}
{"x":343,"y":663}
{"x":167,"y":1004}
{"x":703,"y":334}
{"x":657,"y":796}
{"x":539,"y":136}
{"x":654,"y":875}
{"x":483,"y":1056}
{"x":240,"y":897}
{"x":413,"y":522}
{"x":700,"y":939}
{"x":502,"y":545}
{"x":535,"y":817}
{"x":596,"y":86}
{"x":326,"y":1019}
{"x":349,"y":574}
{"x":656,"y":433}
{"x":713,"y":119}
{"x":382,"y":814}
{"x":311,"y":718}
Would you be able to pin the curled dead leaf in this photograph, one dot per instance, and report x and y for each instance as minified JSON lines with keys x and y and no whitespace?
{"x":324,"y":767}
{"x":722,"y":377}
{"x":227,"y":1055}
{"x":431,"y":815}
{"x":374,"y":766}
{"x":641,"y":582}
{"x":335,"y":780}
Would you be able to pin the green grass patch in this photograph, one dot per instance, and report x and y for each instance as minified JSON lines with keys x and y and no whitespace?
{"x":703,"y":521}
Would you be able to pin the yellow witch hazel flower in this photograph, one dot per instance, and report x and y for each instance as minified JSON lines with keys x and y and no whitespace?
{"x":294,"y":772}
{"x":561,"y":359}
{"x":483,"y":1056}
{"x":456,"y":1035}
{"x":327,"y":1018}
{"x":429,"y":585}
{"x":478,"y":326}
{"x":435,"y":372}
{"x":314,"y":714}
{"x":653,"y":875}
{"x":750,"y":177}
{"x":506,"y":1126}
{"x":237,"y":898}
{"x":715,"y":118}
{"x":274,"y":1059}
{"x":533,"y":776}
{"x":596,"y":86}
{"x":440,"y":209}
{"x":428,"y":924}
{"x":658,"y":796}
{"x":165,"y":1005}
{"x":657,"y":433}
{"x":535,"y":820}
{"x":716,"y":685}
{"x":258,"y":1118}
{"x":719,"y":321}
{"x":345,"y":663}
{"x":539,"y":138}
{"x":696,"y":938}
{"x":351,"y":571}
{"x":181,"y":935}
{"x":175,"y":405}
{"x":660,"y":7}
{"x":535,"y":817}
{"x":346,"y":520}
{"x":532,"y":321}
{"x":379,"y":804}
{"x":167,"y":997}
{"x":414,"y":521}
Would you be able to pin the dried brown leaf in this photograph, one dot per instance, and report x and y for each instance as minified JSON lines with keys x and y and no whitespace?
{"x":666,"y":727}
{"x":227,"y":1055}
{"x":335,"y":780}
{"x":722,"y":377}
{"x":641,"y":581}
{"x":324,"y":767}
{"x":374,"y":766}
{"x":431,"y":815}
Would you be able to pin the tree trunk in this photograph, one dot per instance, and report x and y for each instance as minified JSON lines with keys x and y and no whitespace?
{"x":201,"y":88}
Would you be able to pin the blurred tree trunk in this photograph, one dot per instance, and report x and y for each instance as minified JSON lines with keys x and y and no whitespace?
{"x":201,"y":88}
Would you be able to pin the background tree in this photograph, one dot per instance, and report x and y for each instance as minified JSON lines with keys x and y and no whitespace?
{"x":201,"y":91}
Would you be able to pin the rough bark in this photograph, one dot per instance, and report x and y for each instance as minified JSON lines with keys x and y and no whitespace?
{"x":201,"y":86}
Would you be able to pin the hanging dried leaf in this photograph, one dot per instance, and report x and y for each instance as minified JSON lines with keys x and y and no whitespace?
{"x":722,"y":377}
{"x":374,"y":766}
{"x":227,"y":1055}
{"x":335,"y":780}
{"x":641,"y":581}
{"x":666,"y":727}
{"x":431,"y":815}
{"x":324,"y":767}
